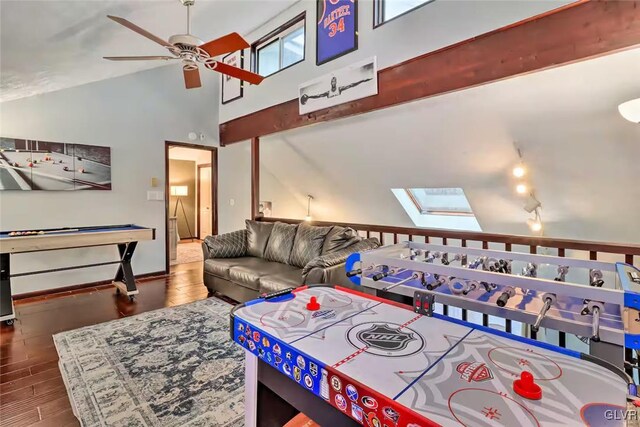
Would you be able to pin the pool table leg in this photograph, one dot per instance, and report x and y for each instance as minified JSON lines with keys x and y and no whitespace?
{"x":125,"y":281}
{"x":7,"y":314}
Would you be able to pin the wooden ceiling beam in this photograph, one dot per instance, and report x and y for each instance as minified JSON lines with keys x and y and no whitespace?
{"x":572,"y":33}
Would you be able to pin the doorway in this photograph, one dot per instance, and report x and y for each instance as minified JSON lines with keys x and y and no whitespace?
{"x":191,"y":201}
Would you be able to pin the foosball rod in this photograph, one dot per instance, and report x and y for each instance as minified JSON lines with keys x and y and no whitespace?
{"x":516,"y":281}
{"x":414,"y":276}
{"x":514,"y":256}
{"x":490,"y":308}
{"x":595,"y":336}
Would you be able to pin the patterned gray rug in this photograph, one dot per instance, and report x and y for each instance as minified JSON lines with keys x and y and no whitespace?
{"x":171,"y":367}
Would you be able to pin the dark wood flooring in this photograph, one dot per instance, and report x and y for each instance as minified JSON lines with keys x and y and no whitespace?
{"x":31,"y":389}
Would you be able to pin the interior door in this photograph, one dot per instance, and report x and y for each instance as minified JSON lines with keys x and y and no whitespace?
{"x":205,"y":226}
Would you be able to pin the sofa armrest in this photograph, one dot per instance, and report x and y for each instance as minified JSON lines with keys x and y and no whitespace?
{"x":333,"y":275}
{"x":205,"y":250}
{"x":340,"y":256}
{"x":228,"y":245}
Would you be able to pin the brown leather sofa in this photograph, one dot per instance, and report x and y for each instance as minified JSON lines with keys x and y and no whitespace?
{"x":267,"y":257}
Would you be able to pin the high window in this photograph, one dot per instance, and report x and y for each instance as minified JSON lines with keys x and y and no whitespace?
{"x":386,"y":10}
{"x":438,"y":208}
{"x":281,"y":48}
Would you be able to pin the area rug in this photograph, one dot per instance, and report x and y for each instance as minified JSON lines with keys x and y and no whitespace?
{"x":170,"y":367}
{"x":188,"y":252}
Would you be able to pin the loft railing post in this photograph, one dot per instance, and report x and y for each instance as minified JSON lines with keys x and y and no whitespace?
{"x":255,"y":177}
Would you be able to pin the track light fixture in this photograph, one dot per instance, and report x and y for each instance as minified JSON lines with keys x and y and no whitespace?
{"x":532,"y":204}
{"x":309,"y":199}
{"x":535,"y":223}
{"x":519,"y":170}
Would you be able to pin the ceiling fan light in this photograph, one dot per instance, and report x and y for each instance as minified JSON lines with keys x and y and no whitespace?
{"x":630,"y":110}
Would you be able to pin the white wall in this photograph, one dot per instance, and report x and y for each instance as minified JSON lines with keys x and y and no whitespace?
{"x":234,"y":186}
{"x":134,"y":115}
{"x":433,"y":26}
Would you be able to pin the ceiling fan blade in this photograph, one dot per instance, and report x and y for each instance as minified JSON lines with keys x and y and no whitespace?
{"x":139,"y":58}
{"x":192,"y":78}
{"x":225,"y":44}
{"x":238,"y":73}
{"x":142,"y":32}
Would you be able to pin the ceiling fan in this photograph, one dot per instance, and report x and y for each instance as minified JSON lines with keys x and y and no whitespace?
{"x":191,"y":51}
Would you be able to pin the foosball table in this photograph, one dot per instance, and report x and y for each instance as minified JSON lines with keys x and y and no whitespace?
{"x":364,"y":358}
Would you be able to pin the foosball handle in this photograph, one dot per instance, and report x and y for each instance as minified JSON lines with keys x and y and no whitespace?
{"x":548,"y":300}
{"x":378,"y":276}
{"x":434,"y":285}
{"x":354,"y":272}
{"x":502,"y":300}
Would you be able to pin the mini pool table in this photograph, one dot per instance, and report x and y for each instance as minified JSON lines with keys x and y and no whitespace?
{"x":126,"y":237}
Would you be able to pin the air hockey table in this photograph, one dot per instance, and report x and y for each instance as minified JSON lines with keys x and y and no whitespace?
{"x":125,"y":236}
{"x":378,"y":363}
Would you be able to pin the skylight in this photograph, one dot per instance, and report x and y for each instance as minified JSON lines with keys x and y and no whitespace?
{"x":438,"y":208}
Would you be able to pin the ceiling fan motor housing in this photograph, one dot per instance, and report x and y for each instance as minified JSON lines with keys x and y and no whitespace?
{"x":185,"y":39}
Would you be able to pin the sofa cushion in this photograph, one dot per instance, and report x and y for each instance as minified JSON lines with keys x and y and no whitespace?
{"x":257,"y":236}
{"x":307,"y":244}
{"x":339,"y":238}
{"x":249,"y":272}
{"x":280,"y":242}
{"x":228,"y":245}
{"x":220,"y":266}
{"x":277,"y":282}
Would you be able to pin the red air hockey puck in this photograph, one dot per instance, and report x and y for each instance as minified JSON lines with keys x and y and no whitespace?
{"x":313,"y":305}
{"x":526,"y":388}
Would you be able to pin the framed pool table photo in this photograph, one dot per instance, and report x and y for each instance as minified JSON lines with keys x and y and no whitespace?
{"x":43,"y":165}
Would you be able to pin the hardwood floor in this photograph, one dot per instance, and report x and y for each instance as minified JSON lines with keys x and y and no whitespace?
{"x":31,"y":389}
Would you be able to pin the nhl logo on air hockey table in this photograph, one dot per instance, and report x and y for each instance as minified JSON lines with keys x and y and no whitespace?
{"x":386,"y":339}
{"x":474,"y":371}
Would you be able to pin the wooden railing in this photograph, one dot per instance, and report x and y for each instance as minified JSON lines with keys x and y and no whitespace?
{"x":532,"y":244}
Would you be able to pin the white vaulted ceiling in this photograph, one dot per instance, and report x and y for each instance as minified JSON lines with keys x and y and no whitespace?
{"x":584,"y":158}
{"x":56,"y":44}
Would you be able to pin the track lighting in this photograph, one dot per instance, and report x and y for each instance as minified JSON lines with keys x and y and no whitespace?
{"x":519,"y":170}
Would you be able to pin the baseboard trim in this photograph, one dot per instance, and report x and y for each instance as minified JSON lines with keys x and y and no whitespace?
{"x":102,"y":283}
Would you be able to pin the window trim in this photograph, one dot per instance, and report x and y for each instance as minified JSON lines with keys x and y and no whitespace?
{"x":443,"y":212}
{"x":275,"y":34}
{"x":377,"y":12}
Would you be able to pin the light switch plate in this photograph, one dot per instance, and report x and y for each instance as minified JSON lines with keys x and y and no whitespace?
{"x":232,"y":202}
{"x":155,"y":195}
